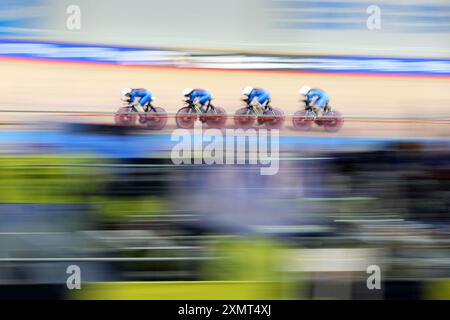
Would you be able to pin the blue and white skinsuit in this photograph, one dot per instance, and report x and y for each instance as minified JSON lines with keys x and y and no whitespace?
{"x":319,"y":96}
{"x":200,"y":97}
{"x":262,"y":97}
{"x":143,"y":94}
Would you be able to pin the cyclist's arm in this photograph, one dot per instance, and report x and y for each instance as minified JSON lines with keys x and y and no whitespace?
{"x":132,"y":97}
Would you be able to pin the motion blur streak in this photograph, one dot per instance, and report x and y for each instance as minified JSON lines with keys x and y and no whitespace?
{"x":143,"y":219}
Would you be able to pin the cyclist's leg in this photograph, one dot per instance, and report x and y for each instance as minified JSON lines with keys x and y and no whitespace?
{"x":327,"y":107}
{"x":143,"y":103}
{"x":321,"y":103}
{"x":264,"y":103}
{"x":264,"y":100}
{"x":204,"y":102}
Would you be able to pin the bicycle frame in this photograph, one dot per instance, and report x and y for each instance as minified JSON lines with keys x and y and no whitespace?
{"x":259,"y":112}
{"x":198,"y":110}
{"x":132,"y":107}
{"x":311,"y":111}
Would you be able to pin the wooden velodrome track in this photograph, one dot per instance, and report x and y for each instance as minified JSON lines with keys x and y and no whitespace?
{"x":44,"y":86}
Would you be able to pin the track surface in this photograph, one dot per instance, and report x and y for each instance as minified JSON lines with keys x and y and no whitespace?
{"x":35,"y":86}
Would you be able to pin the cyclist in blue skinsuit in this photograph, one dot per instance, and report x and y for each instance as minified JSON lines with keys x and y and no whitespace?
{"x":315,"y":98}
{"x":198,"y":97}
{"x":257,"y":98}
{"x":145,"y":97}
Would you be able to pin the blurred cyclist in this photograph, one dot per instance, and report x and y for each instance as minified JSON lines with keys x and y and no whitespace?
{"x":145,"y":97}
{"x":197,"y":97}
{"x":256,"y":98}
{"x":315,"y":98}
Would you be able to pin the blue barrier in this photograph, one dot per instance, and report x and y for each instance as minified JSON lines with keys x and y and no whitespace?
{"x":117,"y":55}
{"x":149,"y":145}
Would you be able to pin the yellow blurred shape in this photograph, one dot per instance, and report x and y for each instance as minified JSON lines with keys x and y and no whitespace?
{"x":438,"y":290}
{"x":180,"y":290}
